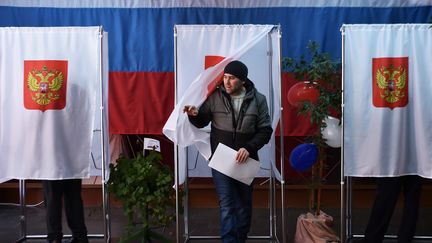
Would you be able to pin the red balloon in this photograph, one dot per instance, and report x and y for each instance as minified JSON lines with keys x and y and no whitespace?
{"x":302,"y":91}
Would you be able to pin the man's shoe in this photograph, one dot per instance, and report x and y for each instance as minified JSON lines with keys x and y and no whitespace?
{"x":78,"y":240}
{"x":54,"y":241}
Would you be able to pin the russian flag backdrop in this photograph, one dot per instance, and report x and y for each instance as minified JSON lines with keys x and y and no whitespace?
{"x":141,"y":46}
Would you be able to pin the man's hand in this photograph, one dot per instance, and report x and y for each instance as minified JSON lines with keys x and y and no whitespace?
{"x":242,"y":155}
{"x":190,"y":110}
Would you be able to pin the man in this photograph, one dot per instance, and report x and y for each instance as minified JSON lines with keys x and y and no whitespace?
{"x":239,"y":119}
{"x":70,"y":191}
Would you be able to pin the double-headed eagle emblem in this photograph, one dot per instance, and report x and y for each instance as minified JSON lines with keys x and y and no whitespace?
{"x":44,"y":85}
{"x":391,"y":82}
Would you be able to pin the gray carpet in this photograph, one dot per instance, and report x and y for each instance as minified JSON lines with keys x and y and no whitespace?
{"x":202,"y":221}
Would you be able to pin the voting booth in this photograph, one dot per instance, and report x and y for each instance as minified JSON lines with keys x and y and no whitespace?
{"x":201,"y":53}
{"x":53,"y":112}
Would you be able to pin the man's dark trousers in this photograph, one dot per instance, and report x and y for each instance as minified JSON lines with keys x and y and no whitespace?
{"x":388,"y":190}
{"x":70,"y":190}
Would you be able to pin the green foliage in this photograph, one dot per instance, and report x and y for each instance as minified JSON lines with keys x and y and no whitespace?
{"x":144,"y":186}
{"x":323,"y":71}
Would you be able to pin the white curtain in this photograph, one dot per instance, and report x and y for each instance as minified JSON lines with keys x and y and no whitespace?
{"x":40,"y":140}
{"x":387,"y":92}
{"x":196,"y":43}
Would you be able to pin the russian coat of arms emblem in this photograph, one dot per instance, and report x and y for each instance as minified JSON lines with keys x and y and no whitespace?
{"x":45,"y":84}
{"x":390,"y":82}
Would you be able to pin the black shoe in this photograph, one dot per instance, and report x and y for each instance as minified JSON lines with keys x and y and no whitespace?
{"x":54,"y":241}
{"x":78,"y":240}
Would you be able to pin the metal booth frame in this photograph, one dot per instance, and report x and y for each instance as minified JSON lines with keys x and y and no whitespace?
{"x":346,"y":182}
{"x":106,"y":235}
{"x":272,"y":237}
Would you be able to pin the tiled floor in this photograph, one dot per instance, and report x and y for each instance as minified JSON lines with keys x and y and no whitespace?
{"x":202,"y":221}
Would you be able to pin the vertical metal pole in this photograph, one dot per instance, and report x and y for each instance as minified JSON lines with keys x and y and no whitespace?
{"x":348,"y":211}
{"x":273,"y":223}
{"x":23,"y":216}
{"x":176,"y":185}
{"x":271,"y":111}
{"x":176,"y":169}
{"x":281,"y":141}
{"x":271,"y":209}
{"x":342,"y":176}
{"x":186,"y":198}
{"x":105,"y":208}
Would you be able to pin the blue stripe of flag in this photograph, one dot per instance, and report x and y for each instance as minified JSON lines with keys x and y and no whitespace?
{"x":141,"y":39}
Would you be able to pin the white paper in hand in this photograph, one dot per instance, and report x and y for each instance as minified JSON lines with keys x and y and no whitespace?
{"x":224,"y":161}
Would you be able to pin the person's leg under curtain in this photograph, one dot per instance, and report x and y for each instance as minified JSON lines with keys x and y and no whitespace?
{"x":53,"y":192}
{"x":412,"y":186}
{"x":74,"y":209}
{"x":387,"y":193}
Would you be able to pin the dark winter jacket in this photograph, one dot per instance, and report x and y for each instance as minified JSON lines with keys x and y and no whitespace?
{"x":252,"y":130}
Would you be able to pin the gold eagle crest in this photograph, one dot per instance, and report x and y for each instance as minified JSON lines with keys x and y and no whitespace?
{"x":391,"y":82}
{"x":44,"y":85}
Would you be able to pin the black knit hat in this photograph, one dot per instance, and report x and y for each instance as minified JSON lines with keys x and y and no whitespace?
{"x":237,"y":69}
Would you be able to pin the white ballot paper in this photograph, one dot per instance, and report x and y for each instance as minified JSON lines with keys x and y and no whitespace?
{"x":224,"y":161}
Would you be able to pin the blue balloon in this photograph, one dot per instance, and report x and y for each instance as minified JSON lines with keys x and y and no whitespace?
{"x":304,"y":156}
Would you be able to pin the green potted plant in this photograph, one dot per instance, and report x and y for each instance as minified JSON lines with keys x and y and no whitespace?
{"x":144,"y":186}
{"x":323,"y":74}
